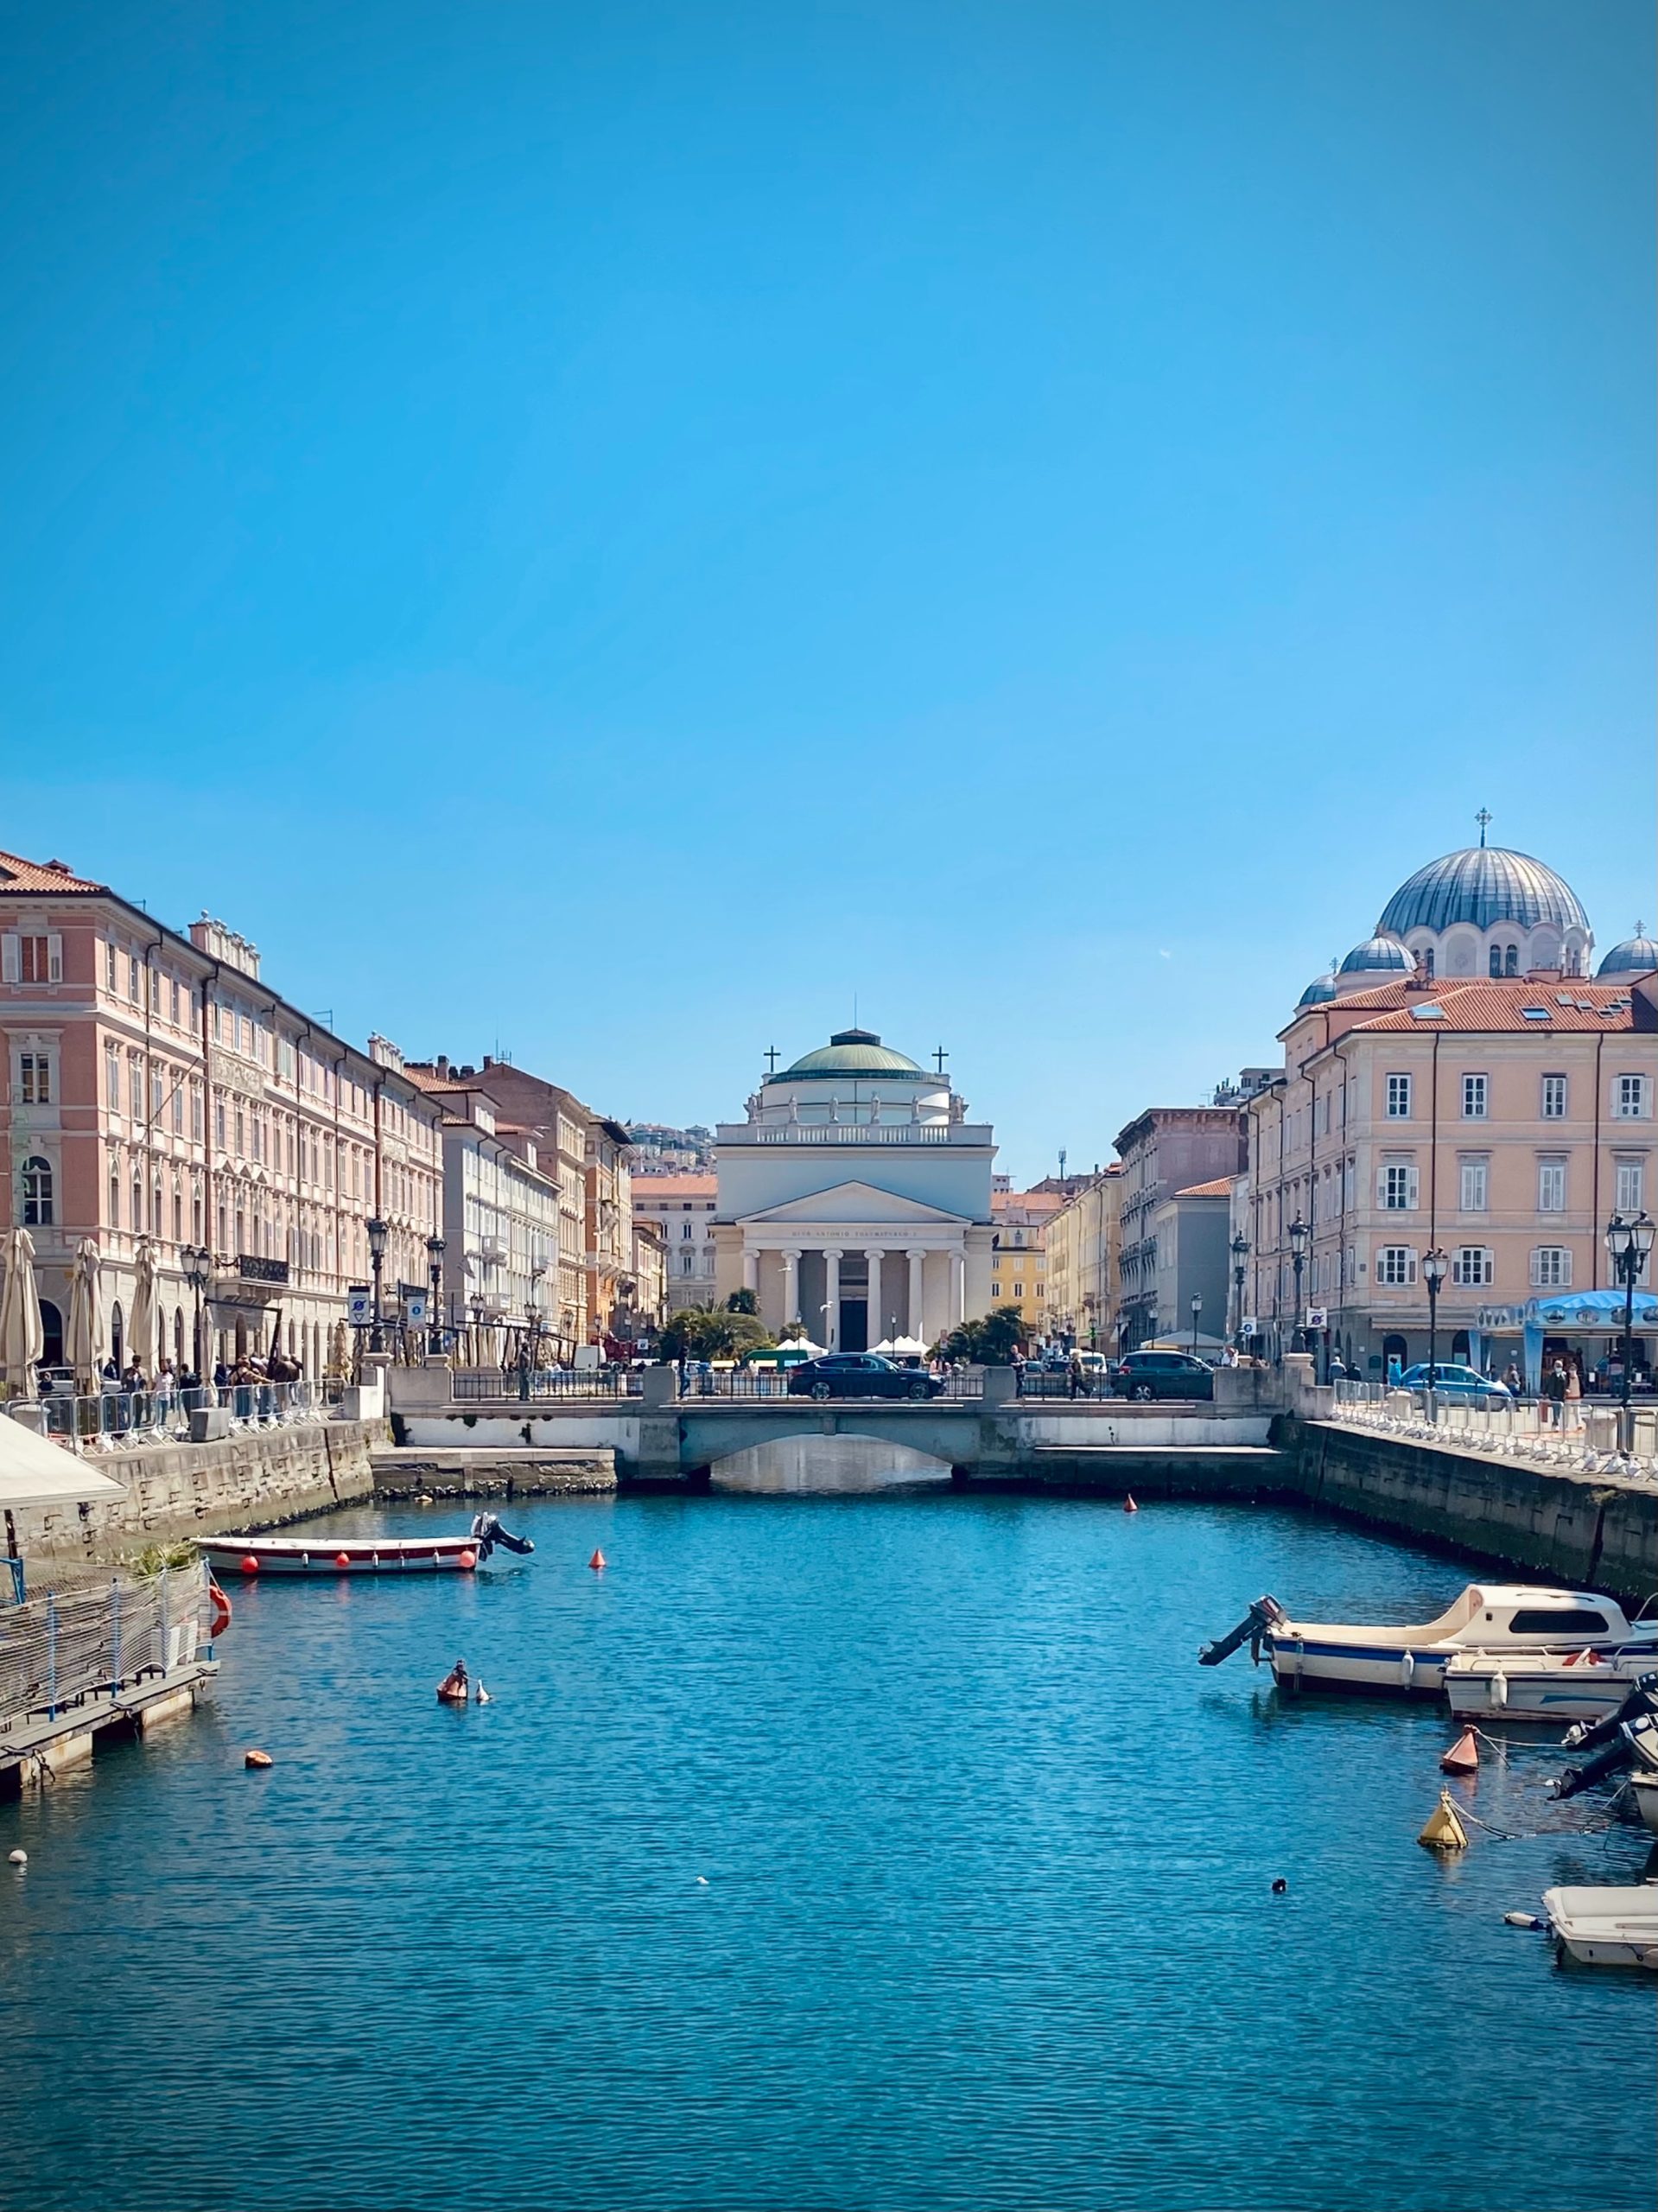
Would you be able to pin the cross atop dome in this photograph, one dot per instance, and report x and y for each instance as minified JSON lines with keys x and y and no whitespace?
{"x":1484,"y":818}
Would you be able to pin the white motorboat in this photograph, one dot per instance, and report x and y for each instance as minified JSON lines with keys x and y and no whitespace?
{"x":1496,"y":1618}
{"x":1561,"y":1685}
{"x":1605,"y":1927}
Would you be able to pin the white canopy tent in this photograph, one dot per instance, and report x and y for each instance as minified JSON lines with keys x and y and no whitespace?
{"x":34,"y":1471}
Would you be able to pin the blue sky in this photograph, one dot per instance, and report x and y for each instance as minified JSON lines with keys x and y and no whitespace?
{"x":605,"y":532}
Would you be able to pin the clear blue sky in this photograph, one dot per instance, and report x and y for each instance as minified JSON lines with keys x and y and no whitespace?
{"x":610,"y":529}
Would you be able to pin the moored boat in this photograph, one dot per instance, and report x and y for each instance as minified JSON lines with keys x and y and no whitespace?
{"x":1559,"y":1686}
{"x":1493,"y":1617}
{"x":250,"y":1556}
{"x":1606,"y":1927}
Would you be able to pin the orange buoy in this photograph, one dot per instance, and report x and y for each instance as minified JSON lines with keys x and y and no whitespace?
{"x":1128,"y":1506}
{"x":256,"y":1758}
{"x":468,"y":1558}
{"x":249,"y":1564}
{"x":597,"y":1561}
{"x":1463,"y":1757}
{"x":342,"y":1559}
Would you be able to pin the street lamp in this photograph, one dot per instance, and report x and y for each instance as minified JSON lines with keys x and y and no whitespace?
{"x":1628,"y":1244}
{"x":1240,"y":1254}
{"x":1435,"y":1268}
{"x":197,"y":1263}
{"x":1298,"y":1260}
{"x":1196,"y":1308}
{"x":434,"y":1269}
{"x":378,"y":1233}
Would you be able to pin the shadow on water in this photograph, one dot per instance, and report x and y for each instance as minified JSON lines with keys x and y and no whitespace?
{"x":830,"y":1466}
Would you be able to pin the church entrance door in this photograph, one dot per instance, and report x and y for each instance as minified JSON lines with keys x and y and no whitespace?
{"x":855,"y":1325}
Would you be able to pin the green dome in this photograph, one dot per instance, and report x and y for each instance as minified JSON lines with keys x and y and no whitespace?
{"x":851,"y":1053}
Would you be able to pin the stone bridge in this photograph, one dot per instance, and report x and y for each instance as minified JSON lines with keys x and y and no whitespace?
{"x":663,"y":1438}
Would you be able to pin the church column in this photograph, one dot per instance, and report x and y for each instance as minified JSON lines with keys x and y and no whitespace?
{"x":957,"y":1287}
{"x":875,"y":1323}
{"x":751,"y":1269}
{"x":916,"y":1326}
{"x":832,"y":1297}
{"x":790,"y":1286}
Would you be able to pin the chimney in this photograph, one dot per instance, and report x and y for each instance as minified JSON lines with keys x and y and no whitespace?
{"x":441,"y":1064}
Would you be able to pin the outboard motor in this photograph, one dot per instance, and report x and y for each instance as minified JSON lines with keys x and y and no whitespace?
{"x":1634,"y":1744}
{"x":1264,"y":1614}
{"x":487,"y":1532}
{"x":1589,"y":1735}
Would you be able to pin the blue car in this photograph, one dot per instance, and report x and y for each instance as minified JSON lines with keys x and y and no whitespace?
{"x":1452,"y":1381}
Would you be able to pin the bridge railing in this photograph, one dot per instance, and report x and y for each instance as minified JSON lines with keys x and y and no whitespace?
{"x":741,"y":1385}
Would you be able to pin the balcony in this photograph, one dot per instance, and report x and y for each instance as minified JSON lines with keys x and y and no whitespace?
{"x":249,"y":1280}
{"x":729,"y":1135}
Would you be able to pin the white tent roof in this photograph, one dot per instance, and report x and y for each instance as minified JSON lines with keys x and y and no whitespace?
{"x":35,"y":1472}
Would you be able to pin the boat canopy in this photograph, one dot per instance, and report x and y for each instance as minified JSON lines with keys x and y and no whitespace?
{"x":1600,"y":1312}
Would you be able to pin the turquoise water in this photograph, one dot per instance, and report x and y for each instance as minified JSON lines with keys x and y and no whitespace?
{"x":985,"y":1916}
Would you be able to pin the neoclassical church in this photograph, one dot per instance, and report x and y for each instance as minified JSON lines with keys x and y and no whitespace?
{"x":855,"y":1197}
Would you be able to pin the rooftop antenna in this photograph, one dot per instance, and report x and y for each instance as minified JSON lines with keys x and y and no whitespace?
{"x":1484,"y":818}
{"x":772,"y":1056}
{"x":1062,"y":1163}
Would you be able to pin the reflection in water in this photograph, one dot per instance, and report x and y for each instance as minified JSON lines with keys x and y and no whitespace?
{"x":828,"y":1463}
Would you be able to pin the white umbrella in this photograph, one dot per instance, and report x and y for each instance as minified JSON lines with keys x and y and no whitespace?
{"x":21,"y":1337}
{"x":83,"y":1335}
{"x":140,"y":1332}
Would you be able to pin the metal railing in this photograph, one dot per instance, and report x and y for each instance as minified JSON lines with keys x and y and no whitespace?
{"x":528,"y":1386}
{"x":742,"y":1385}
{"x":1573,"y":1433}
{"x":117,"y":1420}
{"x":58,"y":1650}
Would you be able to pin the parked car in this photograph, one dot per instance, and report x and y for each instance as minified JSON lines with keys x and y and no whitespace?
{"x":859,"y":1375}
{"x":1162,"y":1374}
{"x":1452,"y":1380}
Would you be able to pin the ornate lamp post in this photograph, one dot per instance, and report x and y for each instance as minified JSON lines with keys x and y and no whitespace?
{"x":198,"y":1264}
{"x":1196,"y":1308}
{"x":1298,"y":1235}
{"x":1629,"y":1245}
{"x":1435,"y":1268}
{"x":434,"y":1270}
{"x":378,"y":1233}
{"x":1240,"y":1254}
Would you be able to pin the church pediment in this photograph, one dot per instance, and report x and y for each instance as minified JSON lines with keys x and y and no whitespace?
{"x":856,"y":1202}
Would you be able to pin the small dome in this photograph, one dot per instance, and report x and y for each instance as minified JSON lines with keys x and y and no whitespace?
{"x":1318,"y":992}
{"x":1483,"y":885}
{"x":851,"y":1052}
{"x":1378,"y":955}
{"x":1636,"y":955}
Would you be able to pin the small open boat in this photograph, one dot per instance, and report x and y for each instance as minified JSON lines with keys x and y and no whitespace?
{"x":1561,"y":1685}
{"x":1605,"y":1927}
{"x":1494,"y":1617}
{"x":319,"y":1554}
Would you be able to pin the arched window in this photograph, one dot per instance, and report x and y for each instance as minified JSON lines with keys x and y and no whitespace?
{"x":1511,"y":961}
{"x":118,"y":1334}
{"x":51,"y":1334}
{"x":1497,"y":959}
{"x":37,"y":1193}
{"x":1428,"y":963}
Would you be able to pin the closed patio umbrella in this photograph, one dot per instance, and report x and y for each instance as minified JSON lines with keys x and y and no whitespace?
{"x":141,"y":1333}
{"x":83,"y":1335}
{"x":21,"y":1337}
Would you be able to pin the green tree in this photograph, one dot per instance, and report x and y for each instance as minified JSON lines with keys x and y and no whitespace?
{"x":743,"y":1302}
{"x":713,"y":1332}
{"x":990,"y":1343}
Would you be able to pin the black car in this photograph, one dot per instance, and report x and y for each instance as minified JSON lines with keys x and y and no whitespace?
{"x":859,"y":1375}
{"x":1162,"y":1374}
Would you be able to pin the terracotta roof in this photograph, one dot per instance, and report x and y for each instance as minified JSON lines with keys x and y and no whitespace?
{"x":16,"y":874}
{"x":1486,"y":1007}
{"x":646,"y":1187}
{"x":1219,"y":1186}
{"x":1033,"y":1201}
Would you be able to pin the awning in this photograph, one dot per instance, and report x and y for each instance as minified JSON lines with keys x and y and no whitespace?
{"x":34,"y":1471}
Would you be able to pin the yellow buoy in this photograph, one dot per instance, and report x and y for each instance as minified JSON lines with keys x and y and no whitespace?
{"x":1443,"y":1832}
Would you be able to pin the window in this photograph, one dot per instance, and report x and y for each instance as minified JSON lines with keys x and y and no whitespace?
{"x":1425,"y":962}
{"x":687,"y":1230}
{"x":175,"y":1001}
{"x":1557,"y":1624}
{"x":1472,"y":1195}
{"x":195,"y":1117}
{"x":34,"y":1078}
{"x":136,"y":1085}
{"x":689,"y":1263}
{"x":1630,"y":1098}
{"x":1553,"y":1100}
{"x":1551,"y":1186}
{"x":995,"y":1290}
{"x":1497,"y":959}
{"x":132,"y":978}
{"x":113,"y":1078}
{"x":115,"y":1196}
{"x":37,"y":1193}
{"x":178,"y":1103}
{"x":1473,"y":1267}
{"x":241,"y":1134}
{"x":110,"y":984}
{"x":1474,"y":1092}
{"x":1551,"y":1268}
{"x":219,"y":1127}
{"x":1019,"y":1290}
{"x":1631,"y":1179}
{"x":31,"y":959}
{"x":1395,"y":1265}
{"x":1398,"y":1186}
{"x":156,"y":1091}
{"x":1398,"y":1105}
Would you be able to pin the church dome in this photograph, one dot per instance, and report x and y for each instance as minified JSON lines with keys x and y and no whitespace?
{"x":851,"y":1052}
{"x":1378,"y":955}
{"x":1318,"y":992}
{"x":1636,"y":955}
{"x":1484,"y":884}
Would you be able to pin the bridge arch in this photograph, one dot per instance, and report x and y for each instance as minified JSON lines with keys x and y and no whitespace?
{"x":948,"y":1435}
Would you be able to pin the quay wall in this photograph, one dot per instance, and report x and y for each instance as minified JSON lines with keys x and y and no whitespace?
{"x":497,"y":1471}
{"x":174,"y":1491}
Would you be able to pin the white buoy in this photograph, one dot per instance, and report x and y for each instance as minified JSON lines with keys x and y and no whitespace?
{"x":1407,"y":1667}
{"x":18,"y":1858}
{"x":484,"y":1697}
{"x":701,"y":1881}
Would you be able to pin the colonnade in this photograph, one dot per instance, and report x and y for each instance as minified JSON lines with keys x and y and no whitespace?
{"x":875,"y":1256}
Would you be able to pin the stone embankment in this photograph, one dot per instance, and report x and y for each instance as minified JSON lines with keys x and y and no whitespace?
{"x":500,"y":1471}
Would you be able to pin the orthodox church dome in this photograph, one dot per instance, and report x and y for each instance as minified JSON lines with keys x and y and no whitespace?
{"x":1318,"y":992}
{"x":1636,"y":955}
{"x":1484,"y":884}
{"x":1378,"y":955}
{"x":851,"y":1053}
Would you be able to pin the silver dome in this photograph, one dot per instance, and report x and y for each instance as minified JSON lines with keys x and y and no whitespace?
{"x":1321,"y":988}
{"x":1484,"y":884}
{"x":1377,"y":956}
{"x":1636,"y":955}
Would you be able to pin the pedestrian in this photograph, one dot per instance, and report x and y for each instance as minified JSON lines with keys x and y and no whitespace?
{"x":1554,"y":1396}
{"x":1076,"y":1375}
{"x":1573,"y":1392}
{"x":1511,"y":1378}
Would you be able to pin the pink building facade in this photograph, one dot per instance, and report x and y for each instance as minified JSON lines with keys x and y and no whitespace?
{"x":154,"y":1091}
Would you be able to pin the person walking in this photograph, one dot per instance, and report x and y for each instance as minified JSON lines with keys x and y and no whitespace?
{"x":1574,"y":1394}
{"x":1076,"y":1377}
{"x":1554,"y":1396}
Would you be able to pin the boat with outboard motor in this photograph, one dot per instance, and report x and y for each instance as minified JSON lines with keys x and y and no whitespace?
{"x":1606,"y":1927}
{"x":1559,"y":1685}
{"x":1490,"y":1617}
{"x":248,"y":1556}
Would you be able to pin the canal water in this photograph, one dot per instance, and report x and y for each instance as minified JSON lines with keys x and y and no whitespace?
{"x":839,"y":1851}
